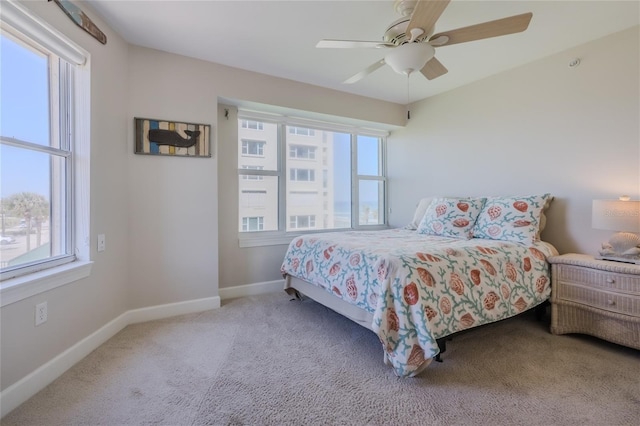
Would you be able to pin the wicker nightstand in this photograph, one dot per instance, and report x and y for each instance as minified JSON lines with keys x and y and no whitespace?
{"x":596,"y":297}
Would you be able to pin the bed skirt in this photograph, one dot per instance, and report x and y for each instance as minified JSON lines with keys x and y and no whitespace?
{"x":354,"y":313}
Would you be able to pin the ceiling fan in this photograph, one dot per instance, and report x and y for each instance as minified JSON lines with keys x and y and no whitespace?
{"x":411,"y":41}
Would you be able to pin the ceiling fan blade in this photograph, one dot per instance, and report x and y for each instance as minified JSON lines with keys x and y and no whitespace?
{"x":499,"y":27}
{"x":433,"y":69}
{"x":349,"y":44}
{"x":425,"y":14}
{"x":365,"y":72}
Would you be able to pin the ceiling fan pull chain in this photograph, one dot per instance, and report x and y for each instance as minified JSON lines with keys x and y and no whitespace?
{"x":408,"y":110}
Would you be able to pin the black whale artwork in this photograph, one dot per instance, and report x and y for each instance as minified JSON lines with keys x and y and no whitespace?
{"x":173,"y":138}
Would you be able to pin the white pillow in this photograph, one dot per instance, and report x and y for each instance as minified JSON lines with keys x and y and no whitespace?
{"x":421,"y":209}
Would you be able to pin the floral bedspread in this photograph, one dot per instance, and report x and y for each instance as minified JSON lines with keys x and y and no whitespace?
{"x":420,"y":288}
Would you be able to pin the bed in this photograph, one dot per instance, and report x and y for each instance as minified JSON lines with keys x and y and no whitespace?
{"x":414,"y":287}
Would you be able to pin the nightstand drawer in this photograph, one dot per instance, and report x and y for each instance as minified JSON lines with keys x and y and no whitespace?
{"x":608,"y":281}
{"x":589,"y":295}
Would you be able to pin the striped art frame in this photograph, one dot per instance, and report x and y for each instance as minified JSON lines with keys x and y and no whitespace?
{"x":172,"y":138}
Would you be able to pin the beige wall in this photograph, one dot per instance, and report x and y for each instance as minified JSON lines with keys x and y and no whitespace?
{"x":573,"y":132}
{"x":172,"y":201}
{"x":78,"y":309}
{"x":184,"y":211}
{"x":159,"y":214}
{"x":543,"y":127}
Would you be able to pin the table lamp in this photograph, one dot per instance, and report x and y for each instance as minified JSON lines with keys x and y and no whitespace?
{"x":623,"y":216}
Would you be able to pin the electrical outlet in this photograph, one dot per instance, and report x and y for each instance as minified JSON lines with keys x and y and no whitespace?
{"x":41,"y":313}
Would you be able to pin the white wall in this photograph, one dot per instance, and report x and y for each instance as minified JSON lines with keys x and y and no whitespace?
{"x":76,"y":310}
{"x":173,"y":200}
{"x":573,"y":132}
{"x":159,"y":214}
{"x":184,"y":209}
{"x":542,"y":127}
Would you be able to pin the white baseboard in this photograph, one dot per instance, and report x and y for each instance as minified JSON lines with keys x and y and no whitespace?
{"x":25,"y":388}
{"x":251,"y":289}
{"x":172,"y":309}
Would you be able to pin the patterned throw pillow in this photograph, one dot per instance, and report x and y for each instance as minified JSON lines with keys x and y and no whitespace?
{"x":511,"y":218}
{"x":451,"y":217}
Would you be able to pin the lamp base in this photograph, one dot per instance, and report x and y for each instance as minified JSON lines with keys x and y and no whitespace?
{"x":622,"y":247}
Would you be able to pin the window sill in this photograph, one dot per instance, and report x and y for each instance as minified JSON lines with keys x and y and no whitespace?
{"x":16,"y":289}
{"x":267,"y":238}
{"x":256,"y":239}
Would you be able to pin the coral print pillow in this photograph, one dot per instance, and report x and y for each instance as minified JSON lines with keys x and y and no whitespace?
{"x":511,"y":218}
{"x":451,"y":217}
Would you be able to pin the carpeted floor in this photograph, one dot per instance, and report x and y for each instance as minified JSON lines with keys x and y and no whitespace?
{"x":266,"y":360}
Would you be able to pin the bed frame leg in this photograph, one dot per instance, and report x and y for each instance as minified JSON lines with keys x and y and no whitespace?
{"x":293,"y":292}
{"x":442,"y":345}
{"x":541,"y":310}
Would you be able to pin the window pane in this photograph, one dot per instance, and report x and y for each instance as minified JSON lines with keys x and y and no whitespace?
{"x":371,"y":208}
{"x":33,"y":208}
{"x":369,"y":163}
{"x":319,"y":179}
{"x":31,"y":212}
{"x":258,"y":203}
{"x":257,"y":145}
{"x":24,"y":78}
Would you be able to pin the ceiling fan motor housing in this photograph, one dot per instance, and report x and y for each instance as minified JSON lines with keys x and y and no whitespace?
{"x":397,"y":32}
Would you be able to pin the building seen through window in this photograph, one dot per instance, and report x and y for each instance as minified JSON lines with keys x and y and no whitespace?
{"x":311,"y":187}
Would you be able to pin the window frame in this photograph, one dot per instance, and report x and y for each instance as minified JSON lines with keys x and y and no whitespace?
{"x":20,"y":23}
{"x":281,"y":236}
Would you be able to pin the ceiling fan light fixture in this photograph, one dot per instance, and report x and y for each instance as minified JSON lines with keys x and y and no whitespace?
{"x":409,"y":57}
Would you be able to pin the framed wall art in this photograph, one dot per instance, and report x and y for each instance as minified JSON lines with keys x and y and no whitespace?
{"x":173,"y":138}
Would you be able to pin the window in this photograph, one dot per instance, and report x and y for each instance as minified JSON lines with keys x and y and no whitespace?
{"x":252,"y":147}
{"x":302,"y":151}
{"x":343,"y":188}
{"x":251,"y":224}
{"x":44,"y":150}
{"x":252,"y":124}
{"x":302,"y":175}
{"x":302,"y":222}
{"x":302,"y":131}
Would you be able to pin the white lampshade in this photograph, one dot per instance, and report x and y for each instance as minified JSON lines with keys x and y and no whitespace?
{"x":616,"y":215}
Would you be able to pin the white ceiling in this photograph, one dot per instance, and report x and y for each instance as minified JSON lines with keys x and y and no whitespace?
{"x":278,"y":37}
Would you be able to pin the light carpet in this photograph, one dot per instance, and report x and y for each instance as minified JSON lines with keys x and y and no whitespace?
{"x":266,"y":360}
